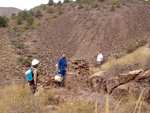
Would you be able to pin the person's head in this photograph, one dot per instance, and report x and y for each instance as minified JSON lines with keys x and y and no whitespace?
{"x":35,"y":63}
{"x":99,"y":52}
{"x":64,"y":56}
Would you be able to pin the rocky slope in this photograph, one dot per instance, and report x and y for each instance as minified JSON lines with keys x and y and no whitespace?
{"x":7,"y":11}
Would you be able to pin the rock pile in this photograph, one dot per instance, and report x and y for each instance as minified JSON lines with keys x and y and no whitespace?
{"x":80,"y":67}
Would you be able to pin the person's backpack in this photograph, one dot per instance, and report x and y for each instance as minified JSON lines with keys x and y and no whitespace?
{"x":29,"y":75}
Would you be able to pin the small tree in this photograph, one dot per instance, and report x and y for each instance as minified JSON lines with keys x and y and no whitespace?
{"x":66,"y":1}
{"x":19,"y":20}
{"x":31,"y":12}
{"x":13,"y":16}
{"x":30,"y":20}
{"x":59,"y":3}
{"x":3,"y":21}
{"x":51,"y":2}
{"x":38,"y":13}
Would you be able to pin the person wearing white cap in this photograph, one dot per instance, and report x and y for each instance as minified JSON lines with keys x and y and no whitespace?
{"x":33,"y":82}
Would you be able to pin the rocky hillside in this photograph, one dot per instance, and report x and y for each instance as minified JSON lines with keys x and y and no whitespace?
{"x":7,"y":11}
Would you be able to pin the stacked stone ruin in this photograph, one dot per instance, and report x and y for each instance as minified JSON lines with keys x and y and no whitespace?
{"x":78,"y":69}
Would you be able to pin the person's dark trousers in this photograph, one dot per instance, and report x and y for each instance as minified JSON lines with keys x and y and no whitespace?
{"x":64,"y":78}
{"x":32,"y":86}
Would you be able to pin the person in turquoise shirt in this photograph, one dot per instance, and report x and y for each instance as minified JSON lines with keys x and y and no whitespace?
{"x":62,"y":67}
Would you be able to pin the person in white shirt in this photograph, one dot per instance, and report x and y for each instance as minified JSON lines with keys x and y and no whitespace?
{"x":99,"y":59}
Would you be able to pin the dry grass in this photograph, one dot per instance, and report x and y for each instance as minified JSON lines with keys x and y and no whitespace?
{"x":137,"y":60}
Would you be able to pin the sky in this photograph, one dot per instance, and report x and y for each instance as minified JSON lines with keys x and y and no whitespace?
{"x":23,"y":4}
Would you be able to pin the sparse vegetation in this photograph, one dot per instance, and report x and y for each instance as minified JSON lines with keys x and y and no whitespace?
{"x":112,"y":8}
{"x":60,"y":12}
{"x":30,"y":20}
{"x":20,"y":46}
{"x":94,"y":5}
{"x":134,"y":46}
{"x":50,"y":9}
{"x":39,"y":24}
{"x":26,"y":26}
{"x":4,"y":21}
{"x":87,"y":8}
{"x":118,"y":5}
{"x":38,"y":13}
{"x":80,"y":6}
{"x":44,"y":7}
{"x":19,"y":20}
{"x":13,"y":16}
{"x":15,"y":27}
{"x":51,"y":2}
{"x":32,"y":26}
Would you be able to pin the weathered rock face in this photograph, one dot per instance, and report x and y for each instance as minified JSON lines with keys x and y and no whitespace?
{"x":123,"y":85}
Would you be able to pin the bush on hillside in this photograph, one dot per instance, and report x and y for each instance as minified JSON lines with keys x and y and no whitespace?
{"x":39,"y":24}
{"x":26,"y":26}
{"x":38,"y":13}
{"x":20,"y":46}
{"x":80,"y":6}
{"x":51,"y":2}
{"x":59,"y":3}
{"x":87,"y":8}
{"x":118,"y":5}
{"x":60,"y":12}
{"x":23,"y":14}
{"x":4,"y":21}
{"x":13,"y":16}
{"x":142,"y":43}
{"x":19,"y":20}
{"x":30,"y":20}
{"x":50,"y":9}
{"x":54,"y":15}
{"x":32,"y":26}
{"x":66,"y":1}
{"x":112,"y":8}
{"x":15,"y":28}
{"x":44,"y":7}
{"x":31,"y":12}
{"x":94,"y":5}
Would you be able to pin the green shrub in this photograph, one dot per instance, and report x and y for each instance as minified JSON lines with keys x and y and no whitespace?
{"x":80,"y":6}
{"x":54,"y":15}
{"x":15,"y":27}
{"x":49,"y":9}
{"x":38,"y":13}
{"x":112,"y":8}
{"x":68,"y":9}
{"x":59,"y":3}
{"x":123,"y":3}
{"x":46,"y":18}
{"x":13,"y":42}
{"x":60,"y":12}
{"x":59,"y":7}
{"x":142,"y":43}
{"x":13,"y":16}
{"x":26,"y":26}
{"x":32,"y":26}
{"x":4,"y":21}
{"x":20,"y":46}
{"x":30,"y":56}
{"x":19,"y":52}
{"x":17,"y":34}
{"x":132,"y":47}
{"x":94,"y":5}
{"x":20,"y":58}
{"x":44,"y":7}
{"x":51,"y":2}
{"x":118,"y":5}
{"x":19,"y":20}
{"x":39,"y":24}
{"x":26,"y":63}
{"x":30,"y":20}
{"x":87,"y":8}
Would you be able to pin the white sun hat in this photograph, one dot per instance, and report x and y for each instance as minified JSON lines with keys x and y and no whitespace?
{"x":35,"y":62}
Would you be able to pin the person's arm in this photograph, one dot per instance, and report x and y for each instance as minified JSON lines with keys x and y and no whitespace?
{"x":35,"y":76}
{"x":59,"y":61}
